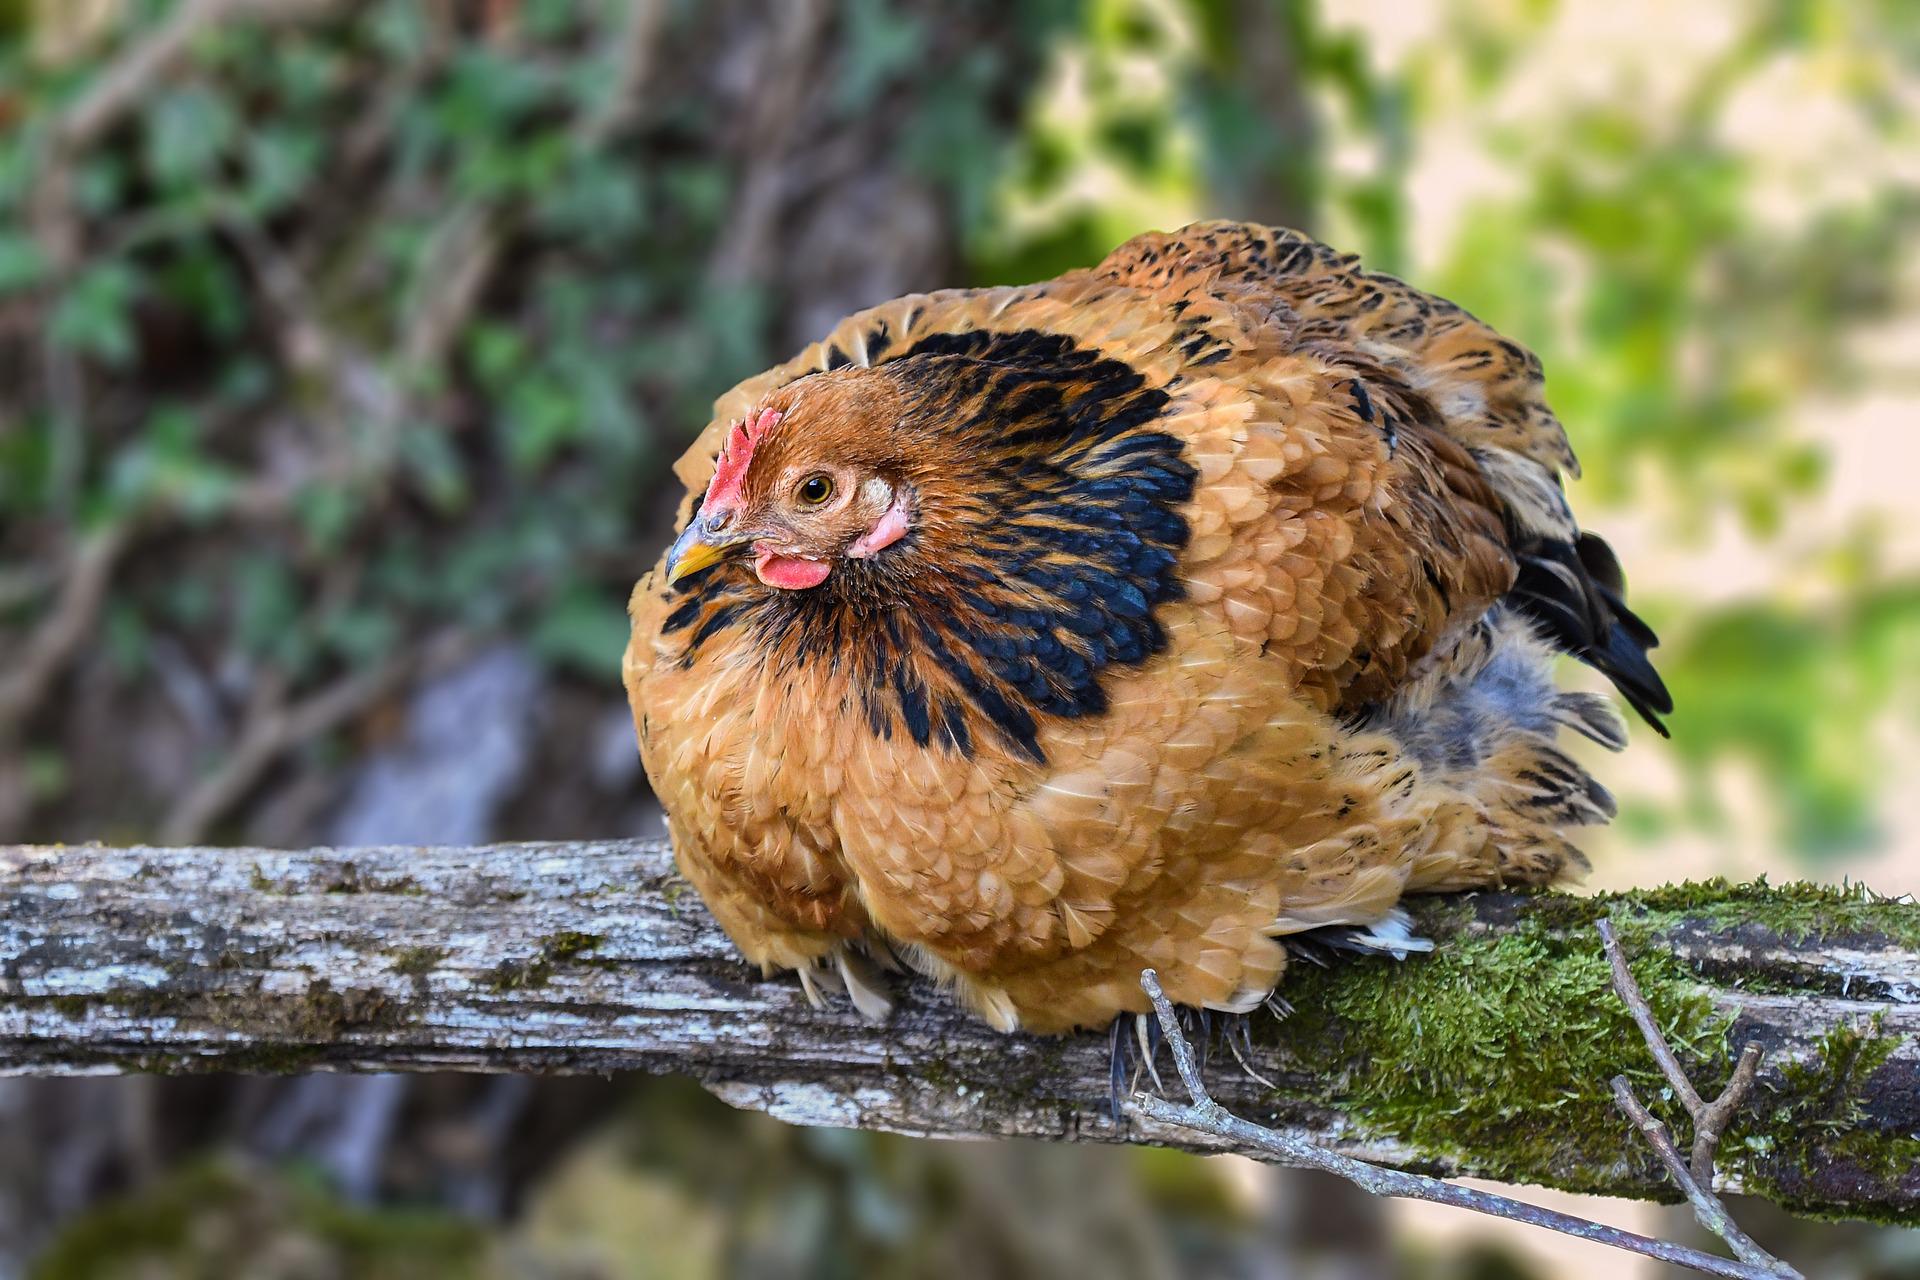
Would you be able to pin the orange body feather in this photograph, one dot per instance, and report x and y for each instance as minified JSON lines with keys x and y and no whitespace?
{"x":1231,"y":581}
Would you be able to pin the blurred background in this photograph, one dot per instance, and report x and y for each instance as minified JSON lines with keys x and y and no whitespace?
{"x":344,"y":348}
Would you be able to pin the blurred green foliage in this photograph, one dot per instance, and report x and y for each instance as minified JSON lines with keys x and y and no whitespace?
{"x":404,"y":315}
{"x":317,"y":187}
{"x":214,"y":1219}
{"x":1689,"y":326}
{"x":360,"y":327}
{"x":676,"y":1185}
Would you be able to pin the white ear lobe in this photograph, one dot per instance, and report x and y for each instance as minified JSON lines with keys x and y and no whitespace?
{"x":887,"y":530}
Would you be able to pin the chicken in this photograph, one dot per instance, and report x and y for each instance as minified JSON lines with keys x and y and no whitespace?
{"x":1146,"y":616}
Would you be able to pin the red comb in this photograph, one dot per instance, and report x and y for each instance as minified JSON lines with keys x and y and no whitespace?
{"x":735,"y":453}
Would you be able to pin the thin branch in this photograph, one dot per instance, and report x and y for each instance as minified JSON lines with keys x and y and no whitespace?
{"x":32,"y":670}
{"x":1628,"y":990}
{"x":635,"y":41}
{"x":132,"y":75}
{"x":19,"y":584}
{"x":1709,"y":1118}
{"x":1207,"y":1116}
{"x":123,"y":82}
{"x":467,"y":243}
{"x":1707,"y":1209}
{"x":1710,"y":1124}
{"x":272,"y":728}
{"x":786,"y":74}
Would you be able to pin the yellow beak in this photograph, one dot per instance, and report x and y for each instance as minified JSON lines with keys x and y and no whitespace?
{"x":692,"y":551}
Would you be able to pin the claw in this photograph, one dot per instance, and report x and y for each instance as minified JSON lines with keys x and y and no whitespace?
{"x":1146,"y":1029}
{"x":810,"y":983}
{"x":1116,"y":1066}
{"x":881,"y":953}
{"x":1200,"y":1031}
{"x":1239,"y":1040}
{"x":865,"y":988}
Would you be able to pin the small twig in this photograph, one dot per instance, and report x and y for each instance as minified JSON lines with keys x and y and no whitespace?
{"x":636,"y":39}
{"x":1709,"y":1118}
{"x":117,"y":90}
{"x":786,"y":75}
{"x":273,"y":727}
{"x":460,"y":257}
{"x":20,"y":584}
{"x":1205,"y":1115}
{"x":31,"y":671}
{"x":1711,"y":1123}
{"x":1707,"y":1209}
{"x":129,"y":77}
{"x":1628,"y":990}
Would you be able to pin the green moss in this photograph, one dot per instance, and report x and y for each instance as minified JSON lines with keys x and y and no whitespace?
{"x":348,"y":878}
{"x":413,"y":962}
{"x":1824,"y":1091}
{"x":1794,"y":912}
{"x":69,"y":1006}
{"x":252,"y":1060}
{"x":537,"y":969}
{"x":569,"y":943}
{"x":343,"y":878}
{"x":514,"y":975}
{"x":1815,"y":1129}
{"x":1502,"y":1043}
{"x":295,"y":1029}
{"x":1498,"y":1045}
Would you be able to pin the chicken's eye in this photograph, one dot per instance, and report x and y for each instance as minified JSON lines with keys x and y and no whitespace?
{"x":815,"y":490}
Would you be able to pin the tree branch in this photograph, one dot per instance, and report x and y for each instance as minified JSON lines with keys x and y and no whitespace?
{"x":274,"y":726}
{"x":31,"y":670}
{"x":1710,"y":1119}
{"x":1489,"y":1057}
{"x":1707,"y":1209}
{"x":1204,"y":1115}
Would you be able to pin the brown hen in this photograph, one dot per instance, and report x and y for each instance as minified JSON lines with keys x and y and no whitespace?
{"x":1142,"y":617}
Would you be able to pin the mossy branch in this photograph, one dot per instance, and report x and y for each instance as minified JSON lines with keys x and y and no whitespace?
{"x":1491,"y":1057}
{"x":1202,"y":1114}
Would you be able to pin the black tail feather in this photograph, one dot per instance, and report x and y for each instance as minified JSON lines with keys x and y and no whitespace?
{"x":1577,"y":594}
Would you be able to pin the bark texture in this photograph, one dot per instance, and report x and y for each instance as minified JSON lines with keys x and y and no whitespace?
{"x":1491,"y":1057}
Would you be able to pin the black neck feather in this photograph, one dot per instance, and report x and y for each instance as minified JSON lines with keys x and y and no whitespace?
{"x":1046,"y":533}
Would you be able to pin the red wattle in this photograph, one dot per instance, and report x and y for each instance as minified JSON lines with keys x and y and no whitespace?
{"x":790,"y":572}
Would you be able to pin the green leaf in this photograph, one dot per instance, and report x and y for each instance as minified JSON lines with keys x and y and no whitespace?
{"x":188,"y":129}
{"x":127,"y":636}
{"x":497,"y":353}
{"x":584,"y":630}
{"x":880,"y":43}
{"x":93,"y":315}
{"x":47,"y":774}
{"x":21,"y":263}
{"x":280,"y":162}
{"x":543,"y":414}
{"x":266,"y":603}
{"x":435,"y":466}
{"x":359,"y":635}
{"x":327,"y":514}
